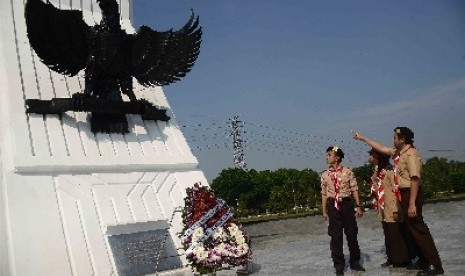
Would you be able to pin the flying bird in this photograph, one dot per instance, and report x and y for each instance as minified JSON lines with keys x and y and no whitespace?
{"x":110,"y":56}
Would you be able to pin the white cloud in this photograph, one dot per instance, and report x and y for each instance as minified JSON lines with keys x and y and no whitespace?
{"x":441,"y":98}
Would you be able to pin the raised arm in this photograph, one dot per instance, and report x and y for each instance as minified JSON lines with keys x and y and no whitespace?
{"x":377,"y":146}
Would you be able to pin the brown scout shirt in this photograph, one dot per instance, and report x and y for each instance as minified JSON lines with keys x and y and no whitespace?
{"x":409,"y":165}
{"x":391,"y":204}
{"x":347,"y":184}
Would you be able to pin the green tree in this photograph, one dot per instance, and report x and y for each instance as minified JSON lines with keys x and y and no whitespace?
{"x":280,"y":200}
{"x":457,"y":176}
{"x":434,"y":176}
{"x":363,"y":176}
{"x":255,"y":198}
{"x":457,"y":181}
{"x":311,"y":180}
{"x":259,"y":195}
{"x":231,"y":184}
{"x":294,"y":189}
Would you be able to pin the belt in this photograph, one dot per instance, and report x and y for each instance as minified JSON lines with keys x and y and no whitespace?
{"x":404,"y":189}
{"x":340,"y":199}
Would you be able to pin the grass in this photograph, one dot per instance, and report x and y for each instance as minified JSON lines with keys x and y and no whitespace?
{"x":446,"y":197}
{"x":271,"y":217}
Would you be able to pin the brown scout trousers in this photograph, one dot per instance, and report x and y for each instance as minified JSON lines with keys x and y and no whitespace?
{"x":418,"y":229}
{"x":396,"y":248}
{"x":343,"y":220}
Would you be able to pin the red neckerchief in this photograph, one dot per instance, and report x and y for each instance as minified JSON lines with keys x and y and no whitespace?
{"x":396,"y":174}
{"x":374,"y":190}
{"x":380,"y":178}
{"x":336,"y":181}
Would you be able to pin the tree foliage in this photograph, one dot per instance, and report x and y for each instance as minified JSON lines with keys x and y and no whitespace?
{"x":255,"y":192}
{"x":231,"y":184}
{"x":363,"y":176}
{"x":457,"y":181}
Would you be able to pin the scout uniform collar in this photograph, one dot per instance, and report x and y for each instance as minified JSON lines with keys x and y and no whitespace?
{"x":406,"y":148}
{"x":338,"y":169}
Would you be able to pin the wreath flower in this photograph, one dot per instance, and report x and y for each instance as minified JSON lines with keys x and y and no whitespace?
{"x":212,"y":236}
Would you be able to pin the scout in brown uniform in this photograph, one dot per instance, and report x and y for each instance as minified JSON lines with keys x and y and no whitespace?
{"x":337,"y":185}
{"x":389,"y":210}
{"x":407,"y":168}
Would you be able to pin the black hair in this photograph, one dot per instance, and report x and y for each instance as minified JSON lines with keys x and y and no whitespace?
{"x":383,"y":159}
{"x":337,"y":150}
{"x":404,"y":133}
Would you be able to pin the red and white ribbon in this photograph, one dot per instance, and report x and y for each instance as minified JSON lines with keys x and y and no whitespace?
{"x":380,"y":178}
{"x":209,"y":231}
{"x":336,"y":179}
{"x":202,"y":220}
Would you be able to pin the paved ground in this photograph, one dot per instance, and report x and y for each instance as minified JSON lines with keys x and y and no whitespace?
{"x":301,"y":246}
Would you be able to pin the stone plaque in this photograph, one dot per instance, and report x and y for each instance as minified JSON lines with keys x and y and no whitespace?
{"x":142,"y":253}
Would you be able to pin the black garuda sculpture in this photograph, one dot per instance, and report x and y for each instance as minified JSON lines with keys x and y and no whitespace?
{"x":110,"y":57}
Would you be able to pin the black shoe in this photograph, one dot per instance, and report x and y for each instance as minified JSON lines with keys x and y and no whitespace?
{"x":357,"y":267}
{"x":339,"y":272}
{"x":419,"y":265}
{"x":401,"y":264}
{"x":431,"y":270}
{"x":387,"y":263}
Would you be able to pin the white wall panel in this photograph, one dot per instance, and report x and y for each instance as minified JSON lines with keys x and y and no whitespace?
{"x":63,"y":186}
{"x":88,"y":252}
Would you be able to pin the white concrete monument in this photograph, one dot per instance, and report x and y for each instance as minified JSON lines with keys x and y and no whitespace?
{"x":78,"y":203}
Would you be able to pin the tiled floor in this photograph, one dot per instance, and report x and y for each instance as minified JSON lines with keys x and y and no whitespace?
{"x":301,"y":246}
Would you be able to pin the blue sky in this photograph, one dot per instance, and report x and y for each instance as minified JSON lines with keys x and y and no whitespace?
{"x":301,"y":74}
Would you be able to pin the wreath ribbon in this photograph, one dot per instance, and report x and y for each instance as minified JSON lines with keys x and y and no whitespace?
{"x":210,"y":231}
{"x":202,"y":220}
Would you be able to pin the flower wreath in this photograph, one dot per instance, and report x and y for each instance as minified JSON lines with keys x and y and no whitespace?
{"x":212,"y":236}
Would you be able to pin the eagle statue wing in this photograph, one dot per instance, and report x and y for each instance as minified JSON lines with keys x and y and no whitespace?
{"x":60,"y":38}
{"x":162,"y":58}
